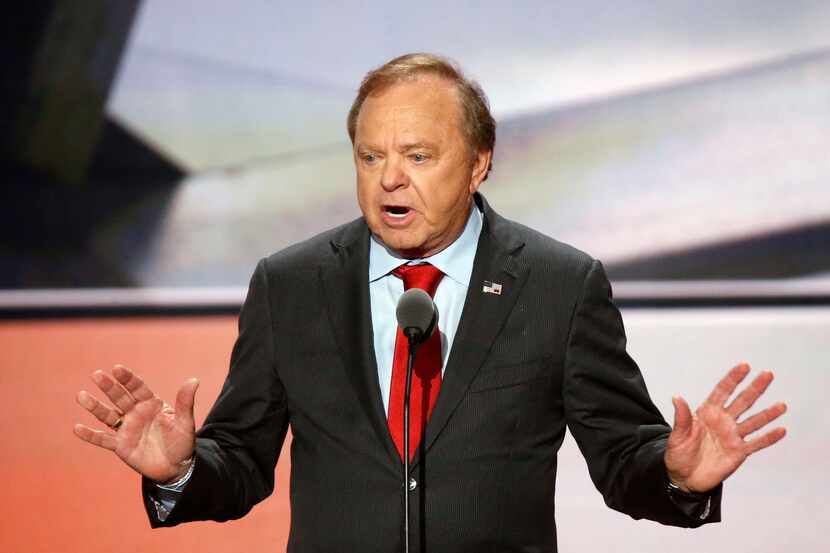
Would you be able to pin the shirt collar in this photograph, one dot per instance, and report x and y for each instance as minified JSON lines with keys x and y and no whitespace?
{"x":455,"y":261}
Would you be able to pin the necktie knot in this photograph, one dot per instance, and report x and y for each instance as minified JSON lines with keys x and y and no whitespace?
{"x":423,"y":276}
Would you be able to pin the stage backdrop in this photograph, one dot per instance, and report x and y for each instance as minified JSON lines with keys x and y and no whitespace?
{"x":684,"y":143}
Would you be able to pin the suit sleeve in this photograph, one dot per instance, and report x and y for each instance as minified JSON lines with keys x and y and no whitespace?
{"x":620,"y":432}
{"x":238,"y":446}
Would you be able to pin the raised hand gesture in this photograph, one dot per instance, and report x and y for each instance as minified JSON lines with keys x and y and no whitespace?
{"x":705,"y":448}
{"x":152,"y":437}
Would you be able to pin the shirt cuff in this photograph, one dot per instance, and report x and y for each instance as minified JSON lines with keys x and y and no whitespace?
{"x":165,"y":496}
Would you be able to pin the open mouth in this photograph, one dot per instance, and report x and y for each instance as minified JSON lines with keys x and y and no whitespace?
{"x":396,"y":211}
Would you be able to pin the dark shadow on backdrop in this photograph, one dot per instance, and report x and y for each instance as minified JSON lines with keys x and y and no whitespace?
{"x":68,"y":170}
{"x":785,"y":254}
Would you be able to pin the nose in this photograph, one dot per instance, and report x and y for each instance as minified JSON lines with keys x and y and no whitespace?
{"x":394,"y":176}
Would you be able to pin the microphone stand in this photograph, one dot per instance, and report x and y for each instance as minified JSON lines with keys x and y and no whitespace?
{"x":412,"y":335}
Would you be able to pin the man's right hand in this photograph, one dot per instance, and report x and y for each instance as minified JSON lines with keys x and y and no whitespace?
{"x":152,"y":437}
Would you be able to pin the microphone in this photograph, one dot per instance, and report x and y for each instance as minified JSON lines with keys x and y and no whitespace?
{"x":417,"y":315}
{"x":418,"y":318}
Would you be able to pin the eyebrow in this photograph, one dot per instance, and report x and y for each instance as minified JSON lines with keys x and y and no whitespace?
{"x":417,"y":145}
{"x":362,"y":146}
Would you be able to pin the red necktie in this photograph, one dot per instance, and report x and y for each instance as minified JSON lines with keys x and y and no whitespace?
{"x":426,"y":372}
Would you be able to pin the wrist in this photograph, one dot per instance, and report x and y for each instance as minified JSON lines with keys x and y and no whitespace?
{"x":184,"y":468}
{"x":679,"y":486}
{"x":675,"y":481}
{"x":678,"y":489}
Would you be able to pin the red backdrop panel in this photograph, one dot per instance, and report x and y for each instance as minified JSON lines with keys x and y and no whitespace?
{"x":61,"y":494}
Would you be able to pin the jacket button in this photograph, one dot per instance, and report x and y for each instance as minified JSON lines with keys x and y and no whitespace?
{"x":412,"y":484}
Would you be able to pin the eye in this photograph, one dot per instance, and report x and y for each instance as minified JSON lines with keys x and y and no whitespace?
{"x":369,"y":158}
{"x":419,"y":157}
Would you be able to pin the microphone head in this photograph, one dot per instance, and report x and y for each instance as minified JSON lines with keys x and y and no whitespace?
{"x":417,"y":315}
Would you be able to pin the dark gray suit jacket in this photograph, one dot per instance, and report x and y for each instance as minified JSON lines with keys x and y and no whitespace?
{"x":546,"y":353}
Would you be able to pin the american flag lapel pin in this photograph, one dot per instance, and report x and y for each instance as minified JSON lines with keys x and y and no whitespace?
{"x":491,"y":288}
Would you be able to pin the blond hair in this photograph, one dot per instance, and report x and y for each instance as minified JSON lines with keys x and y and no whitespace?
{"x":477,"y":123}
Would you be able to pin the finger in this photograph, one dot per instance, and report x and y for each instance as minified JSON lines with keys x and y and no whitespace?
{"x":185,"y":400}
{"x":101,"y":438}
{"x":682,"y":417}
{"x":114,"y":391}
{"x":728,"y":384}
{"x":768,"y":439}
{"x":107,"y":415}
{"x":758,"y":421}
{"x":132,"y":382}
{"x":750,"y":394}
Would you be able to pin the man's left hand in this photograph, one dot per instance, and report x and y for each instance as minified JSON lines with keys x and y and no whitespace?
{"x":705,"y":448}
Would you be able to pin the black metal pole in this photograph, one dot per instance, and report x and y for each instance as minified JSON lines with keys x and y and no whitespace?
{"x":413,"y":347}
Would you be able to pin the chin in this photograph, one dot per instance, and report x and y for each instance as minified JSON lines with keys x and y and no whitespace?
{"x":395,"y":241}
{"x":401,"y":243}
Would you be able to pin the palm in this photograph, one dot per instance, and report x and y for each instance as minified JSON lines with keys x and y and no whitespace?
{"x":703,"y":450}
{"x":154,"y":438}
{"x":152,"y":445}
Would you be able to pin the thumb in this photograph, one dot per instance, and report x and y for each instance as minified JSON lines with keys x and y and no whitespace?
{"x":682,"y":418}
{"x":185,"y":400}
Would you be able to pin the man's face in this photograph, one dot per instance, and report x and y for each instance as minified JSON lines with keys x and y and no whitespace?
{"x":415,"y":173}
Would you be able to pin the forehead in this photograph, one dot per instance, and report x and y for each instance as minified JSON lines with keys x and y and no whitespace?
{"x":426,"y":105}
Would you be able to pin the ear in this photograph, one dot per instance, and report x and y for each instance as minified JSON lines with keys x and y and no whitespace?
{"x":481,"y":166}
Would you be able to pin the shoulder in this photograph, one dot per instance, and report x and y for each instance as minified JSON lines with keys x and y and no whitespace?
{"x":317,"y":250}
{"x":560,"y":274}
{"x":539,"y":251}
{"x":545,"y":249}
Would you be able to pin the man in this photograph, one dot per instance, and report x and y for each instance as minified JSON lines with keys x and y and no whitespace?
{"x":529,"y":342}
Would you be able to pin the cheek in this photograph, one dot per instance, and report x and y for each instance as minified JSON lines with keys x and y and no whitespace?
{"x":364,"y":189}
{"x":447,"y":190}
{"x":364,"y":200}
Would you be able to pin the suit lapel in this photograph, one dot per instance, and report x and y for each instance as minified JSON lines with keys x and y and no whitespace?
{"x":484,"y":314}
{"x":346,"y":287}
{"x":497,"y":260}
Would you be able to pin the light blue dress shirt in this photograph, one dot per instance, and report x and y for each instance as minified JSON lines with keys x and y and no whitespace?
{"x":455,"y":261}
